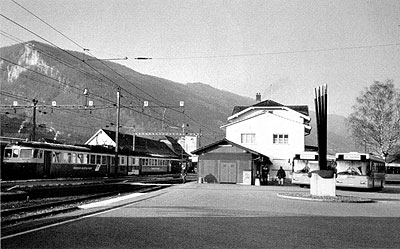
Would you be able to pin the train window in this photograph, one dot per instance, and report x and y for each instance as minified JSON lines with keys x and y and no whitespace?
{"x":15,"y":153}
{"x":56,"y":157}
{"x":103,"y":159}
{"x":67,"y":157}
{"x":122,"y":160}
{"x":26,"y":153}
{"x":73,"y":158}
{"x":7,"y":152}
{"x":37,"y":153}
{"x":92,"y":159}
{"x":79,"y":158}
{"x":98,"y":159}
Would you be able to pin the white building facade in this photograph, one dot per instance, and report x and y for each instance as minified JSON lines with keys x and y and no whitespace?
{"x":271,"y":129}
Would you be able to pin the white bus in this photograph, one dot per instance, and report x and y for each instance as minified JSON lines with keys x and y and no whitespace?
{"x":393,"y":172}
{"x":360,"y":170}
{"x":303,"y":164}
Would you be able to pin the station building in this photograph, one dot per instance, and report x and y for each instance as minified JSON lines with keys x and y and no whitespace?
{"x":270,"y":132}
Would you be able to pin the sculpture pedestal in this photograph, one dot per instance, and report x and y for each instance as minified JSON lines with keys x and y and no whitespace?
{"x":322,"y":186}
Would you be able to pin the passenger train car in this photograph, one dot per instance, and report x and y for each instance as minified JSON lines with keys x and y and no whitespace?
{"x":29,"y":160}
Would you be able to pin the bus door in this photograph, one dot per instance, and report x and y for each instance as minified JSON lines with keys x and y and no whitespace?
{"x":47,"y":163}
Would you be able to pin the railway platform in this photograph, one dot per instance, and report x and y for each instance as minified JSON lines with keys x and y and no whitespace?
{"x":23,"y":189}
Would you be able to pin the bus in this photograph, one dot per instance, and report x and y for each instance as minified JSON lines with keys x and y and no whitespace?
{"x":303,"y":164}
{"x":359,"y":170}
{"x":393,"y":172}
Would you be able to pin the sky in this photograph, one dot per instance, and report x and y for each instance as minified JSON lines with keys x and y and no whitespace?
{"x":281,"y":49}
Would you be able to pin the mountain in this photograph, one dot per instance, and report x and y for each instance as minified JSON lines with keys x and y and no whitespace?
{"x":34,"y":70}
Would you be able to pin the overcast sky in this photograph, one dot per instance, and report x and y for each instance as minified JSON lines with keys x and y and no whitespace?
{"x":282,"y":49}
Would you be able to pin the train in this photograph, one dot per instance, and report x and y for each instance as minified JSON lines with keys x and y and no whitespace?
{"x":31,"y":160}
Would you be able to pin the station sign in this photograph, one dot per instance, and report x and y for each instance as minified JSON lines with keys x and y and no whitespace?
{"x":352,"y":157}
{"x":308,"y":156}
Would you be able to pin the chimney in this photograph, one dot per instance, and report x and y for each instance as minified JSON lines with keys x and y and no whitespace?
{"x":258,"y":97}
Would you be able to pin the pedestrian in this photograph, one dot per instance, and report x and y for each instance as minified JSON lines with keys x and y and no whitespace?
{"x":183,"y":172}
{"x":264,"y":174}
{"x":281,"y":176}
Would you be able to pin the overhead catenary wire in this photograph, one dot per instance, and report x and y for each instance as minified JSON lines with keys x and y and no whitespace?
{"x":49,"y":25}
{"x":82,"y":48}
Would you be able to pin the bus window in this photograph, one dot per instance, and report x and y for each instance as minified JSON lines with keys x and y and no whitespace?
{"x":103,"y":159}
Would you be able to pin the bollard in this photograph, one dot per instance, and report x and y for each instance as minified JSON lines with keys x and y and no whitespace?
{"x":200,"y":179}
{"x":257,"y":182}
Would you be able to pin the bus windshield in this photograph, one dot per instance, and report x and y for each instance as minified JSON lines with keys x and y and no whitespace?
{"x":305,"y":166}
{"x":351,"y":168}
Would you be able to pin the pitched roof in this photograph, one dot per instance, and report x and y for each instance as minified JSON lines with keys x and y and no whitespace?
{"x":143,"y":145}
{"x":225,"y":141}
{"x":303,"y":109}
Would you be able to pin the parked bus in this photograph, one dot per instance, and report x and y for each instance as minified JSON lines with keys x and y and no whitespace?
{"x":393,"y":172}
{"x":303,"y":164}
{"x":360,"y":170}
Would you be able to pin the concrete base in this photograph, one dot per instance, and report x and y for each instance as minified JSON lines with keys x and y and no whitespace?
{"x":322,"y":186}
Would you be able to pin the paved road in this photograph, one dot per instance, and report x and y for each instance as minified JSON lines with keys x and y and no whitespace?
{"x":227,"y":216}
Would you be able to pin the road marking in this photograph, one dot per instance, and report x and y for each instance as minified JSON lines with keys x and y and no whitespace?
{"x":110,"y":201}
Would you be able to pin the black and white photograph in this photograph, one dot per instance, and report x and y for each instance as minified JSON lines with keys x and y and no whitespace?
{"x":200,"y":124}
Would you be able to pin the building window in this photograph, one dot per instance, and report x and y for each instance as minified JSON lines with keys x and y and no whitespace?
{"x":280,"y":138}
{"x":247,"y":138}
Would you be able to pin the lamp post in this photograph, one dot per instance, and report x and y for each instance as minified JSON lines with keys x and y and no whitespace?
{"x":117,"y":135}
{"x":34,"y":103}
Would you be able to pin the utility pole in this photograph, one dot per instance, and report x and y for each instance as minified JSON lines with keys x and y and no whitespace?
{"x":34,"y":102}
{"x":117,"y":135}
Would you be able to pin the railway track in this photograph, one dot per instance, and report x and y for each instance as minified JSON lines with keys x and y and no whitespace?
{"x":44,"y":207}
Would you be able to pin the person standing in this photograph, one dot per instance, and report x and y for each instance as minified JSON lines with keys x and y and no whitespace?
{"x":264,"y":174}
{"x":183,"y":172}
{"x":281,"y":176}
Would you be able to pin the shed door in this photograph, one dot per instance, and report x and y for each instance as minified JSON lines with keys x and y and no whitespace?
{"x":228,"y":172}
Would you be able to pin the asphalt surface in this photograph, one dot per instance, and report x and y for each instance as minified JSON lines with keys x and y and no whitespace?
{"x":196,"y":215}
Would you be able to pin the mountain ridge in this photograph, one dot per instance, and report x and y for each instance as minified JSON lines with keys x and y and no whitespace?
{"x":40,"y":71}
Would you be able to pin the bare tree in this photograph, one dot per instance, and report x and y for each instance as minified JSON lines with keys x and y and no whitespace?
{"x":375,"y":120}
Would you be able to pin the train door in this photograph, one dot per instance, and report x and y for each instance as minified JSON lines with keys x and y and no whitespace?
{"x":46,"y":163}
{"x":108,"y":163}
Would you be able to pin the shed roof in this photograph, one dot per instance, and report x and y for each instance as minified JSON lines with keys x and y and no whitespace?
{"x":225,"y":141}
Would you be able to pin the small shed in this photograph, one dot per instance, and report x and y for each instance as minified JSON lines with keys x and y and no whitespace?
{"x":227,"y":162}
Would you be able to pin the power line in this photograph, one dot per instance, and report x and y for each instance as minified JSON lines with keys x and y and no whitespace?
{"x":78,"y":58}
{"x":277,"y":52}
